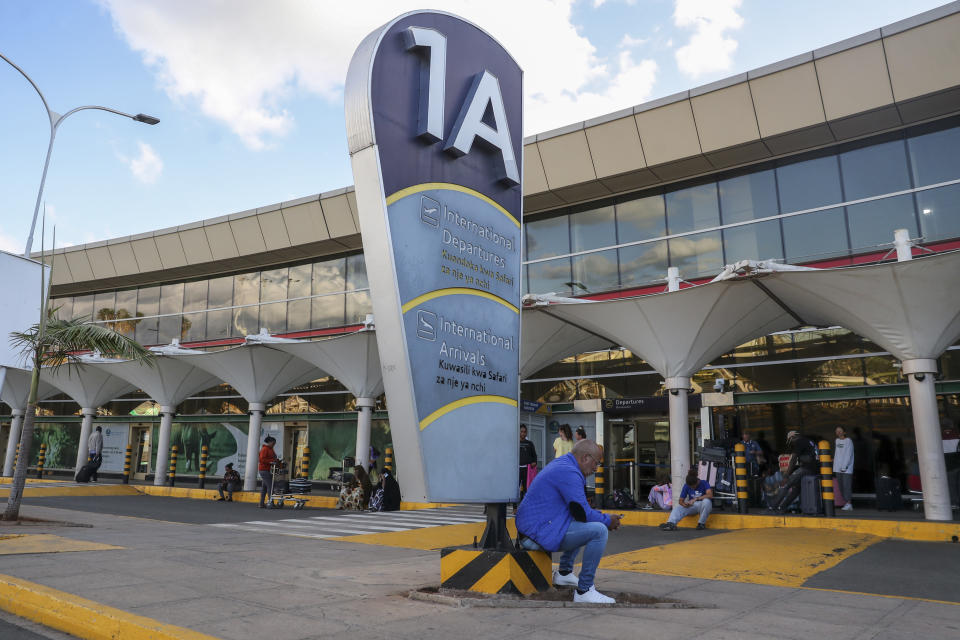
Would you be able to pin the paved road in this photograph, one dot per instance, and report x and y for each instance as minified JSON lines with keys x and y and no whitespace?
{"x":14,"y":628}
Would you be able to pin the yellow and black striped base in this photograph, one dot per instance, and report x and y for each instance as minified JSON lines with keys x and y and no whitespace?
{"x":488,"y":571}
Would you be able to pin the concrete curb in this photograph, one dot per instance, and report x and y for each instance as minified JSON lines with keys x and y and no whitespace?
{"x":921,"y":531}
{"x":506,"y":602}
{"x":84,"y":618}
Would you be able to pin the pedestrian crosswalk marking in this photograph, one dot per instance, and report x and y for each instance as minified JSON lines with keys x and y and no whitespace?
{"x":360,"y":523}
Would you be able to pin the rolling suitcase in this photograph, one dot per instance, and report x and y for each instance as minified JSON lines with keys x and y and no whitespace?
{"x":889,"y":497}
{"x":85,"y":472}
{"x":811,"y":503}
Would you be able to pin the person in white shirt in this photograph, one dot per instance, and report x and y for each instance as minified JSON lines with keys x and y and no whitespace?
{"x":843,"y":467}
{"x":95,"y":447}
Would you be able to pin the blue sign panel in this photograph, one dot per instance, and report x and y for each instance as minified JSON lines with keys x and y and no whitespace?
{"x":434,"y":116}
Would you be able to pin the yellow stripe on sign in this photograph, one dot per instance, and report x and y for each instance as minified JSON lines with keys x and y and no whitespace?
{"x":451,"y":563}
{"x":494,"y":579}
{"x":750,"y":555}
{"x":448,"y":186}
{"x":463,"y":402}
{"x":456,"y":291}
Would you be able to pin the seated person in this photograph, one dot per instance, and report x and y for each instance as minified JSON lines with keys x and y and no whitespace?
{"x":661,"y":495}
{"x":231,"y":482}
{"x":387,"y":495}
{"x":356,"y":495}
{"x":772,"y":481}
{"x":803,"y":462}
{"x":695,"y":497}
{"x":555,"y":516}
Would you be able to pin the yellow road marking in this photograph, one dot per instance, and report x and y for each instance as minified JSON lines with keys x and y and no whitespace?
{"x":456,"y":291}
{"x":778,"y":557}
{"x":60,"y":491}
{"x":462,"y":402}
{"x":43,"y":543}
{"x":429,"y":538}
{"x":448,"y":186}
{"x":84,"y":618}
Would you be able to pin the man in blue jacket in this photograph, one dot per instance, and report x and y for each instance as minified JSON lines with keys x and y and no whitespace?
{"x":555,"y":516}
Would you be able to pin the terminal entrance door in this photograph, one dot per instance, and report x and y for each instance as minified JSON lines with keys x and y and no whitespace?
{"x":639,"y":451}
{"x":296,"y":439}
{"x":140,"y":451}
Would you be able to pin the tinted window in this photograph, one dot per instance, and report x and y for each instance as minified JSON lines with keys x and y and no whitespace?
{"x":815,"y":236}
{"x":148,"y":304}
{"x":83,"y":307}
{"x":809,"y":184}
{"x":748,"y":197}
{"x":874,"y":170}
{"x":246,"y":291}
{"x":299,"y":286}
{"x":273,"y":285}
{"x":595,"y":272}
{"x":592,"y":229}
{"x":643,"y":263}
{"x":546,"y":238}
{"x":935,"y":157}
{"x":641,"y":219}
{"x":758,"y":241}
{"x":126,"y":306}
{"x":329,"y":276}
{"x":697,"y":255}
{"x":358,"y":306}
{"x":692,"y":208}
{"x":939,"y":217}
{"x":873,"y":223}
{"x":551,"y":276}
{"x":103,"y":306}
{"x":171,"y":302}
{"x":356,"y":273}
{"x":327,"y":311}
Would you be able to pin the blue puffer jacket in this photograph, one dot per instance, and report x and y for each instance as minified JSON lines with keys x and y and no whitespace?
{"x":544,"y":515}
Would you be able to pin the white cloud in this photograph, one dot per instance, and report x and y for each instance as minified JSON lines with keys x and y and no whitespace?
{"x":236,"y":61}
{"x":710,"y":48}
{"x":629,"y":42}
{"x":146,"y":167}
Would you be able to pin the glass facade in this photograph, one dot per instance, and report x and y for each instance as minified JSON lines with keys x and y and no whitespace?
{"x":828,"y":204}
{"x":320,"y":295}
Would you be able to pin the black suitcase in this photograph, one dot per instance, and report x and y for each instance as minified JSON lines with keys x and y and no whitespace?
{"x":889,"y":496}
{"x":87,"y":470}
{"x":811,"y":503}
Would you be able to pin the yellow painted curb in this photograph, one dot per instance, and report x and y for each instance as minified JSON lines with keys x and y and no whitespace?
{"x":84,"y":618}
{"x":46,"y":543}
{"x":59,"y":492}
{"x":923,"y":531}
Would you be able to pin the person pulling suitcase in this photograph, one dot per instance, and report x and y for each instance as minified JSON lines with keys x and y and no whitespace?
{"x":95,"y":447}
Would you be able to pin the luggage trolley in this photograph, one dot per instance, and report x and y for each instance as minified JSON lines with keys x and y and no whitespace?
{"x":280,"y":492}
{"x":717,"y":468}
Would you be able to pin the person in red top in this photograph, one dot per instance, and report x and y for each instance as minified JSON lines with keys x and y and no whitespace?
{"x":267,"y":457}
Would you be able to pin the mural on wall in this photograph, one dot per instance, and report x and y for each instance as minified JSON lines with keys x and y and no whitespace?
{"x":332,"y":441}
{"x":62,"y":442}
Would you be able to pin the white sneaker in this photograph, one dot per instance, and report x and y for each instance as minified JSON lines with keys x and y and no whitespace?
{"x":847,"y":507}
{"x":569,"y":580}
{"x":593,"y":597}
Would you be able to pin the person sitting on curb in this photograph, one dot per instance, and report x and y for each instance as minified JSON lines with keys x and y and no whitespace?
{"x":695,"y":497}
{"x":803,"y":462}
{"x":230,"y":482}
{"x":555,"y":516}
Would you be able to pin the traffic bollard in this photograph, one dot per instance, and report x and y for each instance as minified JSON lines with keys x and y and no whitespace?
{"x":740,"y":464}
{"x":172,"y":474}
{"x":388,"y":459}
{"x":126,"y":464}
{"x":826,"y":478}
{"x":204,"y":456}
{"x":305,"y":463}
{"x":41,"y":460}
{"x":601,"y":488}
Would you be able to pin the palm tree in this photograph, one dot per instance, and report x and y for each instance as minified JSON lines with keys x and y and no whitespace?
{"x":54,"y":342}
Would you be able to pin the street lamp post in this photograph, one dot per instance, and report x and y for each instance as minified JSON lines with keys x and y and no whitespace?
{"x":55,"y":120}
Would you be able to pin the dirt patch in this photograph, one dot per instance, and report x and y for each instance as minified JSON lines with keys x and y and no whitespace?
{"x":546,"y":599}
{"x":39,"y":522}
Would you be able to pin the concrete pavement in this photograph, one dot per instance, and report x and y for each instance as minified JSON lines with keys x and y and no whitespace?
{"x":229,"y":582}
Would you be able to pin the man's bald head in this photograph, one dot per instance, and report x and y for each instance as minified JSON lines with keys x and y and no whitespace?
{"x":587,"y":453}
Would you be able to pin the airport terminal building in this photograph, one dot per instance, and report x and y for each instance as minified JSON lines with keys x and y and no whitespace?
{"x":815,"y":160}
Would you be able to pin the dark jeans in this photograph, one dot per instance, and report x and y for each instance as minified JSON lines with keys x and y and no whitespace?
{"x":266,"y":485}
{"x":229,"y":486}
{"x":791,"y":490}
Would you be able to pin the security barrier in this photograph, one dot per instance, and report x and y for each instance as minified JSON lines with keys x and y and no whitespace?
{"x":826,"y":477}
{"x":388,"y":459}
{"x":491,"y":571}
{"x":601,"y":487}
{"x":126,"y":464}
{"x":740,"y":467}
{"x":305,"y":463}
{"x":172,"y":474}
{"x":41,"y":460}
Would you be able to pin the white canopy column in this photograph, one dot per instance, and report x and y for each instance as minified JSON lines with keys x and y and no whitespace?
{"x":354,"y":360}
{"x":88,"y":387}
{"x":677,"y":333}
{"x":258,"y":374}
{"x":911,"y":309}
{"x":15,"y":391}
{"x":168,"y":382}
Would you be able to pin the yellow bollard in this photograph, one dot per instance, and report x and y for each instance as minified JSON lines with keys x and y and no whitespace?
{"x":305,"y":463}
{"x":204,"y":456}
{"x":740,"y":465}
{"x":41,"y":459}
{"x":601,"y":487}
{"x":826,"y":478}
{"x":172,"y":475}
{"x":388,"y":459}
{"x":126,"y":464}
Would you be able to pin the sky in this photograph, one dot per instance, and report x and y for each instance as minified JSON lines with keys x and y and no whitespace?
{"x":249,"y":93}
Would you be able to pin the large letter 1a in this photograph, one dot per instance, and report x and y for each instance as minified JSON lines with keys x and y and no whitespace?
{"x":432,"y":46}
{"x":485,"y":91}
